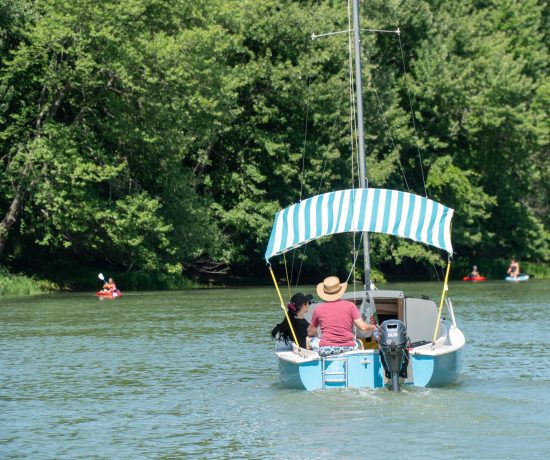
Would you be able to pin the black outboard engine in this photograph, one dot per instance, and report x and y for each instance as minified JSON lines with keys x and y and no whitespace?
{"x":393,"y":347}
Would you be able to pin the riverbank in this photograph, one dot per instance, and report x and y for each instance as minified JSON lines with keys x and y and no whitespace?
{"x":17,"y":284}
{"x":87,"y":279}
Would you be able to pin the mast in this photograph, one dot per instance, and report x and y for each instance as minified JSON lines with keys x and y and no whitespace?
{"x":361,"y":132}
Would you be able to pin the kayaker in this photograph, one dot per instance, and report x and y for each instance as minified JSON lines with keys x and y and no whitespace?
{"x":297,"y":308}
{"x":513,"y":269}
{"x":109,"y":286}
{"x":336,"y":317}
{"x":474,"y":273}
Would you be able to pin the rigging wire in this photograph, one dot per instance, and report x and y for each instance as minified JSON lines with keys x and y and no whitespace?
{"x":416,"y":138}
{"x":389,"y":130}
{"x":319,"y":187}
{"x":353,"y":133}
{"x":435,"y":269}
{"x":323,"y":169}
{"x":308,"y":84}
{"x":305,"y":137}
{"x":413,"y":118}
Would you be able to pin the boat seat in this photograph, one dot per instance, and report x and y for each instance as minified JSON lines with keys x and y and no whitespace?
{"x":304,"y":352}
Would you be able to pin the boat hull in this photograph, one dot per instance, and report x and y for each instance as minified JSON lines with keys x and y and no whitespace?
{"x":109,"y":295}
{"x":474,"y":279}
{"x":516,"y":279}
{"x":356,"y":370}
{"x":363,"y":369}
{"x":436,"y":371}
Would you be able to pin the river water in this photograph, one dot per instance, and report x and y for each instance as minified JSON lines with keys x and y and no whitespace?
{"x":192,"y":374}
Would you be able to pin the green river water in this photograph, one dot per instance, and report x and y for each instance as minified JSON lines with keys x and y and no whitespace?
{"x":192,"y":374}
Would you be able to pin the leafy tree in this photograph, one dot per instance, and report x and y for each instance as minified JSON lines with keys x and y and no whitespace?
{"x":104,"y":111}
{"x":164,"y":134}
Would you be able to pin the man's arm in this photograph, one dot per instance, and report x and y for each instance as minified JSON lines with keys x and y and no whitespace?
{"x":363,"y":326}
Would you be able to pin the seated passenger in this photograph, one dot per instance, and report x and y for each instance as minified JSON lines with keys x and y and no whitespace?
{"x":109,"y":286}
{"x":513,"y":269}
{"x":297,"y":308}
{"x":336,"y":318}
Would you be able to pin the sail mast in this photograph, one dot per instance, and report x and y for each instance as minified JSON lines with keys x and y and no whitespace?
{"x":361,"y":131}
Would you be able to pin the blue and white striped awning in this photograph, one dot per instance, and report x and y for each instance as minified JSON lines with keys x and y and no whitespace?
{"x":358,"y":210}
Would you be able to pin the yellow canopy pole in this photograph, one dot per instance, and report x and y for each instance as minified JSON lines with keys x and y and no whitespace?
{"x":445,"y":289}
{"x":284,"y":307}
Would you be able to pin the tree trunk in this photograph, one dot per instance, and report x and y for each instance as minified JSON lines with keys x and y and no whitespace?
{"x":9,"y":219}
{"x":15,"y":208}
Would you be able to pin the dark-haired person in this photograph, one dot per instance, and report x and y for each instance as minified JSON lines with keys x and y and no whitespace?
{"x":513,"y":269}
{"x":297,"y":308}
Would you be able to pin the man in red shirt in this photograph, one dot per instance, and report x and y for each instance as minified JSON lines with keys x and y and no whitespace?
{"x":336,"y":318}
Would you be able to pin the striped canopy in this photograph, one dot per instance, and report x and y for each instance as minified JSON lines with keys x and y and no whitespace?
{"x":358,"y":210}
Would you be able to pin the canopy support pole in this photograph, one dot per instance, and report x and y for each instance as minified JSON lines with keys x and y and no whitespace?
{"x":284,"y":307}
{"x":443,"y":294}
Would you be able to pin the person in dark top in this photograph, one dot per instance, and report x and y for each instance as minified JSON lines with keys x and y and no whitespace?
{"x":297,"y":308}
{"x":513,"y":269}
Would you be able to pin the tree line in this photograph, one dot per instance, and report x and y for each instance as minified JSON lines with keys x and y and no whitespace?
{"x":161,"y":136}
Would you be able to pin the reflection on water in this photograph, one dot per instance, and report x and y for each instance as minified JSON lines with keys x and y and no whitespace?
{"x":191,"y":374}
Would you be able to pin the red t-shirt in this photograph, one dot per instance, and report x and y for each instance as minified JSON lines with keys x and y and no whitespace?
{"x":336,"y":321}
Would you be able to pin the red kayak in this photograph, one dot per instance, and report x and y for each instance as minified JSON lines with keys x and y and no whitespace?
{"x":474,"y":278}
{"x":110,"y":295}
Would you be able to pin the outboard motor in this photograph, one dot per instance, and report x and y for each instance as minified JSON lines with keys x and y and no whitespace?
{"x":393,"y":347}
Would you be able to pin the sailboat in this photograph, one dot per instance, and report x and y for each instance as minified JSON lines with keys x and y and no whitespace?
{"x":414,"y":345}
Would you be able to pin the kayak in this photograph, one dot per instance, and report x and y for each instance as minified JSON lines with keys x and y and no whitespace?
{"x":517,"y":279}
{"x":109,"y":295}
{"x":474,"y":278}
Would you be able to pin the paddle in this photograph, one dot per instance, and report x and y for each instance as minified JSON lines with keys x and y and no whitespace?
{"x":115,"y":293}
{"x":101,"y":277}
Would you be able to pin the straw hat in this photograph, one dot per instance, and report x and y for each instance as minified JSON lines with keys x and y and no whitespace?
{"x":331,"y":289}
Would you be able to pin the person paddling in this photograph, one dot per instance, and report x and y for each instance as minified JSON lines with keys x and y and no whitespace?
{"x":513,"y":269}
{"x":336,"y":318}
{"x":474,"y":273}
{"x":109,"y":286}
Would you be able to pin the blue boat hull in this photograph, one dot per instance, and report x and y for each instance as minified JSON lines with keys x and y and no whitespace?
{"x":365,"y":370}
{"x":517,"y":279}
{"x":436,"y":371}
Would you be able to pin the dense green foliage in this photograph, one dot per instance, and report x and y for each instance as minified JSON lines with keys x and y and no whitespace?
{"x":160,"y":136}
{"x":11,"y":284}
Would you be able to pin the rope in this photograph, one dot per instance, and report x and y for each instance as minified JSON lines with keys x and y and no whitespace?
{"x":305,"y":138}
{"x":388,"y":128}
{"x":412,"y":118}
